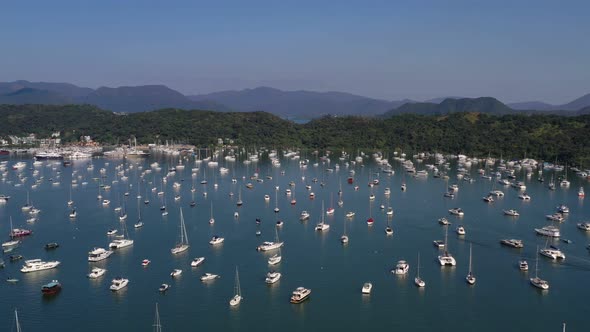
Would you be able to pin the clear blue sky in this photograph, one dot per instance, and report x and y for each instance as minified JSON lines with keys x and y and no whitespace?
{"x":512,"y":50}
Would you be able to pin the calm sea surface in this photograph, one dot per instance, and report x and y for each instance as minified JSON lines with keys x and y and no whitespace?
{"x":502,"y":299}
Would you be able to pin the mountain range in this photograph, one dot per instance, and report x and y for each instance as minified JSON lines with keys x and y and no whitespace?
{"x":287,"y":104}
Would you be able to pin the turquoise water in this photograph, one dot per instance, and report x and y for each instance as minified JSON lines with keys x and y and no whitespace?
{"x":502,"y":299}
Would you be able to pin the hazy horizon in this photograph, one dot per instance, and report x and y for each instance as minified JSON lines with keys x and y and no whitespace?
{"x":525,"y":51}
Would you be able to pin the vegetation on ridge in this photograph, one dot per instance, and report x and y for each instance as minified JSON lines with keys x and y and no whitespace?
{"x":546,"y":137}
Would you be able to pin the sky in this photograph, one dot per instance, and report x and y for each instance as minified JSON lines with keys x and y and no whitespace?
{"x":512,"y":50}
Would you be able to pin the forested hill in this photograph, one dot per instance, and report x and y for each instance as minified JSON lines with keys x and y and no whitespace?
{"x":513,"y":136}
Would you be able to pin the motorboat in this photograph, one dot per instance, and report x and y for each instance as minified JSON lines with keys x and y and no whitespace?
{"x":552,"y":252}
{"x":444,"y":221}
{"x":300,"y":294}
{"x":563,"y":209}
{"x":145,"y":262}
{"x":272,"y":277}
{"x":523,"y":265}
{"x":488,"y":199}
{"x":304,"y":215}
{"x":96,"y":272}
{"x":350,"y":214}
{"x":216,"y":240}
{"x":51,"y":245}
{"x":388,"y":230}
{"x":497,"y":193}
{"x":550,"y":231}
{"x":367,"y":287}
{"x":511,"y":212}
{"x":163,"y":288}
{"x":112,"y":231}
{"x":175,"y":273}
{"x":457,"y":212}
{"x":197,"y":261}
{"x":439,"y":243}
{"x":14,"y":258}
{"x":209,"y":276}
{"x":118,"y":284}
{"x":460,"y":230}
{"x":279,"y":223}
{"x":34,"y":265}
{"x":10,"y":244}
{"x":51,"y":288}
{"x":585,"y":226}
{"x":98,"y":254}
{"x":139,"y":224}
{"x":524,"y":197}
{"x":514,"y":243}
{"x":555,"y":217}
{"x":402,"y":267}
{"x":275,"y":259}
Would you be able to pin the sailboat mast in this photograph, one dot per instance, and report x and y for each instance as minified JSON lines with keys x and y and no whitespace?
{"x":157,"y":326}
{"x":183,"y":235}
{"x":470,"y":245}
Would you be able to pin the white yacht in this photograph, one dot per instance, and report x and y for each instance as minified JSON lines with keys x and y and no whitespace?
{"x":175,"y":273}
{"x":118,"y":284}
{"x":367,"y":287}
{"x":511,"y":212}
{"x":523,"y":265}
{"x":402,"y":267}
{"x":197,"y":261}
{"x":216,"y":240}
{"x":300,"y":294}
{"x":552,"y":252}
{"x":550,"y":231}
{"x":585,"y":226}
{"x":497,"y":193}
{"x":457,"y":212}
{"x":96,"y":272}
{"x":209,"y":276}
{"x":98,"y":254}
{"x":272,"y":277}
{"x":563,"y":209}
{"x":33,"y":265}
{"x":112,"y":231}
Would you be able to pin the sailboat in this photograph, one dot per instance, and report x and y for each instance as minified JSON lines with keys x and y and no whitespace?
{"x":238,"y":291}
{"x":18,"y":329}
{"x":470,"y":278}
{"x":417,"y":280}
{"x":330,"y":210}
{"x":344,"y":237}
{"x":123,"y":240}
{"x":239,"y":201}
{"x":70,"y":202}
{"x":446,"y":258}
{"x":157,"y":325}
{"x":183,"y":244}
{"x":340,"y":201}
{"x":211,"y":220}
{"x":370,"y":220}
{"x":123,"y":211}
{"x":27,"y":207}
{"x":536,"y":281}
{"x":163,"y":207}
{"x":147,"y":200}
{"x":322,"y":226}
{"x":276,"y":202}
{"x":139,"y":223}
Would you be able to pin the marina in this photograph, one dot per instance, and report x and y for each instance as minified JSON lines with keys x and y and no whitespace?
{"x":117,"y":281}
